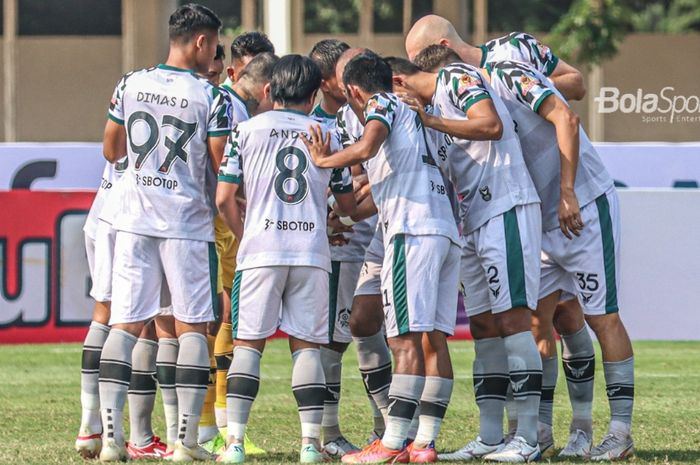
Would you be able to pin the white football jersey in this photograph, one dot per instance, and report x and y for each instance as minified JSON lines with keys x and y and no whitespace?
{"x":285,"y":221}
{"x":490,"y":176}
{"x":239,"y":111}
{"x":169,"y":113}
{"x":110,"y":175}
{"x":523,"y":90}
{"x":362,"y":231}
{"x":520,"y":47}
{"x":407,"y":186}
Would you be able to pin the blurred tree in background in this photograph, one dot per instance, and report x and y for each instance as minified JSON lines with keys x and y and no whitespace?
{"x":331,"y":16}
{"x":591,"y":31}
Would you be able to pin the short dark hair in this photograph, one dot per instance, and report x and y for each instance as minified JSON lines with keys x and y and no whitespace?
{"x":220,"y":52}
{"x":260,"y":68}
{"x":368,"y":71}
{"x":435,"y":57}
{"x":190,"y":19}
{"x":295,"y":78}
{"x":326,"y":53}
{"x":402,"y":66}
{"x":250,"y":44}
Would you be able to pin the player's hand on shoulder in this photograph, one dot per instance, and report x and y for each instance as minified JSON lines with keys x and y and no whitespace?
{"x":415,"y":105}
{"x":318,"y":144}
{"x":569,"y":214}
{"x":335,"y":226}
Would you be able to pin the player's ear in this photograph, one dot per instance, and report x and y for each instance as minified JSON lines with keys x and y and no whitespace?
{"x":444,"y":42}
{"x":267,"y":91}
{"x":230,"y":72}
{"x":200,"y":41}
{"x":398,"y":83}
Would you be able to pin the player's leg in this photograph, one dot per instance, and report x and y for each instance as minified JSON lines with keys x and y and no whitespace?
{"x":256,"y":297}
{"x":438,"y":364}
{"x":342,"y":283}
{"x":142,"y":396}
{"x":578,"y":361}
{"x":190,"y":268}
{"x":307,"y":321}
{"x":100,"y":254}
{"x":543,"y":331}
{"x":594,"y":264}
{"x":512,"y":244}
{"x":366,"y":326}
{"x":136,"y":281}
{"x":166,"y":363}
{"x":410,"y":298}
{"x":490,"y":367}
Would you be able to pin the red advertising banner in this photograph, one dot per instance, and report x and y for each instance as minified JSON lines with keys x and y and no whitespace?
{"x":45,"y":279}
{"x":43,"y":268}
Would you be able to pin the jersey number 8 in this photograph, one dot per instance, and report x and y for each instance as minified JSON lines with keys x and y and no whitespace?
{"x":291,"y":186}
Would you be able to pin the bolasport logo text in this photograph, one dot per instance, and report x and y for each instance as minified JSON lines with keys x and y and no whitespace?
{"x":665,"y":106}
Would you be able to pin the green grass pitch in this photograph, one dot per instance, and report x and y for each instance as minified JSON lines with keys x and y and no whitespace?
{"x":40,"y":404}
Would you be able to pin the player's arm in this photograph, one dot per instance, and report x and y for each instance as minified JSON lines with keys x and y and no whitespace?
{"x":373,"y":136}
{"x":568,"y":80}
{"x":215,"y":147}
{"x":483,"y":122}
{"x":365,"y":209}
{"x":114,"y":141}
{"x":228,"y":207}
{"x":566,"y":123}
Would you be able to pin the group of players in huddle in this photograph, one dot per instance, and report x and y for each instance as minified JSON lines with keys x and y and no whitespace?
{"x":463,"y":168}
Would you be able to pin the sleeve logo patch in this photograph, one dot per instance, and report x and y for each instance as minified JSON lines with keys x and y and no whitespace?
{"x":543,"y":49}
{"x":527,"y":83}
{"x":465,"y":82}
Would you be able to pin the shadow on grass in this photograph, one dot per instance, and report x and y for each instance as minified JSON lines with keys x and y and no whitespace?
{"x":274,"y":457}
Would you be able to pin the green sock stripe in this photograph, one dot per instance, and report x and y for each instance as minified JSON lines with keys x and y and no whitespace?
{"x":514,"y":260}
{"x":398,"y":270}
{"x":606,"y":233}
{"x":334,"y":278}
{"x":213,"y":278}
{"x":235,"y":299}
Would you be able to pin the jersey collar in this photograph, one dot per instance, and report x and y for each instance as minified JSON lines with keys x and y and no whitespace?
{"x":174,"y":68}
{"x":321,"y":113}
{"x":290,"y":110}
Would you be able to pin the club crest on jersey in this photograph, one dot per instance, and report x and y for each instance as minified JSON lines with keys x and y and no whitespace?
{"x":543,"y":49}
{"x":485,"y":193}
{"x":465,"y":82}
{"x":527,"y":83}
{"x":374,"y":106}
{"x":344,"y":317}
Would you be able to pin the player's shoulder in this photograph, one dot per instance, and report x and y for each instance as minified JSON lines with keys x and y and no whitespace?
{"x":458,"y":71}
{"x":515,"y":68}
{"x":134,"y":75}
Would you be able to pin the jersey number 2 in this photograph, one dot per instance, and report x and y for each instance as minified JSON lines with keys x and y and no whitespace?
{"x":291,"y":186}
{"x":176,"y":148}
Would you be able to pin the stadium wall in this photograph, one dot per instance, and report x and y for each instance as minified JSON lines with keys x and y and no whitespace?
{"x":46,"y":191}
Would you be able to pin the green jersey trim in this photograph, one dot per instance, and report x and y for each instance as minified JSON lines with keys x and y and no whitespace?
{"x":213,"y":276}
{"x":551,"y":66}
{"x":606,"y":230}
{"x":235,"y":301}
{"x":472,"y":101}
{"x":377,"y":118}
{"x":229,"y":178}
{"x":120,"y":122}
{"x":398,"y":272}
{"x":218,"y":133}
{"x":514,"y":260}
{"x":333,"y":298}
{"x":321,"y":113}
{"x":539,"y":101}
{"x":484,"y":54}
{"x":174,"y":68}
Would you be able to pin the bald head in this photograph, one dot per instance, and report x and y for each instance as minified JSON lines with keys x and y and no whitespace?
{"x":347,"y":55}
{"x":430,"y":30}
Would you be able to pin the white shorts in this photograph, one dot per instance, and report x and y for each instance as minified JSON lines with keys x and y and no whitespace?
{"x":284,"y":297}
{"x":140,"y":264}
{"x":343,"y":280}
{"x":420,"y":283}
{"x":588,"y":265}
{"x":370,"y":280}
{"x":103,"y":262}
{"x":90,"y":253}
{"x":501,"y":261}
